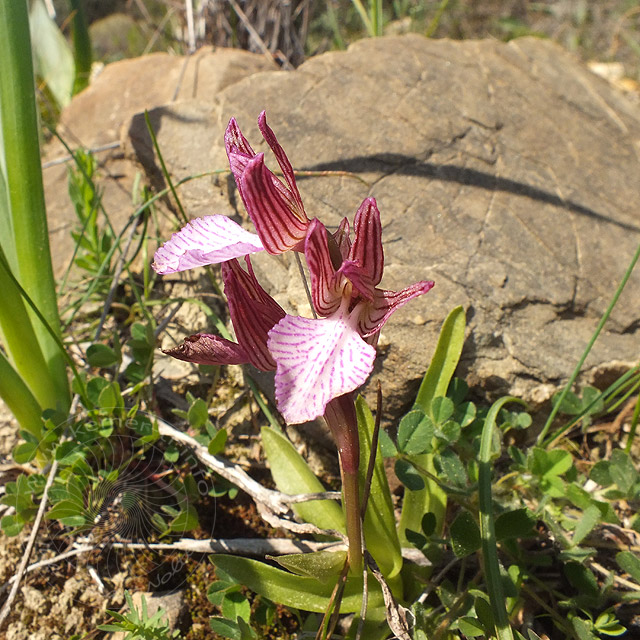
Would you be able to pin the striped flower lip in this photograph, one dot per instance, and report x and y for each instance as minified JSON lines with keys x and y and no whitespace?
{"x":275,"y":207}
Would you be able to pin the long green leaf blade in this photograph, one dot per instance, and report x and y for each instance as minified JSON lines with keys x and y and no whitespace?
{"x":24,"y":184}
{"x":292,"y":475}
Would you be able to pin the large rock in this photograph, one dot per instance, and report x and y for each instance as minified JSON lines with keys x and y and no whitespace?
{"x":94,"y":119}
{"x":507,"y":173}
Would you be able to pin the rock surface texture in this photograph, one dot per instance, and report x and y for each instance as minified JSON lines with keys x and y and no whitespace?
{"x":507,"y":173}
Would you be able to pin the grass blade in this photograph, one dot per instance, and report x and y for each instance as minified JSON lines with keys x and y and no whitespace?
{"x":487,"y":524}
{"x":541,"y":437}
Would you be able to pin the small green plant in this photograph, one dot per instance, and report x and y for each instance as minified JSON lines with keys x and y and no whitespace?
{"x":138,"y":625}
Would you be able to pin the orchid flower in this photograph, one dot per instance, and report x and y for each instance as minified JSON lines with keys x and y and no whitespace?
{"x":318,"y":362}
{"x":320,"y":359}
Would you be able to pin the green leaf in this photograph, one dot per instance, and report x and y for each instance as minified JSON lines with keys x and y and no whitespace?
{"x":415,"y":433}
{"x":235,"y":605}
{"x":465,"y":535}
{"x":101,"y":356}
{"x":292,"y":475}
{"x":453,"y":468}
{"x":442,"y":409}
{"x":218,"y":442}
{"x":600,"y":473}
{"x":409,"y":475}
{"x":186,"y":520}
{"x":324,"y":566}
{"x":589,"y":519}
{"x":107,"y":398}
{"x":387,"y":448}
{"x":518,"y":523}
{"x":583,"y":629}
{"x":415,"y":538}
{"x":94,"y":387}
{"x":25,"y":452}
{"x":630,"y":563}
{"x":53,"y":60}
{"x":471,"y":627}
{"x":465,"y":414}
{"x":622,"y":471}
{"x":449,"y":432}
{"x":299,"y":592}
{"x":379,"y":526}
{"x":12,"y":525}
{"x":198,"y":414}
{"x":571,"y":403}
{"x":582,"y":579}
{"x":428,"y":523}
{"x":444,"y":361}
{"x":225,"y":628}
{"x":549,"y":463}
{"x":69,"y":452}
{"x":65,"y":509}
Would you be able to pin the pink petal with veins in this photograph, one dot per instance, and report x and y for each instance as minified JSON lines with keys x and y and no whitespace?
{"x":205,"y":348}
{"x":326,"y":285}
{"x":317,"y":360}
{"x":283,"y":161}
{"x":208,"y":240}
{"x":271,"y":207}
{"x":374,"y":314}
{"x":253,"y":312}
{"x":366,"y":249}
{"x":342,"y":238}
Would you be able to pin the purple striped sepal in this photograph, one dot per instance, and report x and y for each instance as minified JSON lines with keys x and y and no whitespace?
{"x":274,"y":207}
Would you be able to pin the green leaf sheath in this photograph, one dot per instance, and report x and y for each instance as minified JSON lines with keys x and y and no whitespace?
{"x":24,"y":186}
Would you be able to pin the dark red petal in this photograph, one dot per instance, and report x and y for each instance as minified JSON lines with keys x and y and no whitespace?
{"x":283,"y":161}
{"x":271,"y":208}
{"x":376,"y":313}
{"x":326,"y":285}
{"x":253,"y":313}
{"x":366,"y":249}
{"x":204,"y":348}
{"x":235,"y":142}
{"x":342,"y":238}
{"x":359,"y":279}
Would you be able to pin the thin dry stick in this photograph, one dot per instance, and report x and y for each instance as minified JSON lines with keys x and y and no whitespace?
{"x":623,"y":582}
{"x":271,"y":504}
{"x":63,"y":159}
{"x":29,"y":548}
{"x":191,"y":33}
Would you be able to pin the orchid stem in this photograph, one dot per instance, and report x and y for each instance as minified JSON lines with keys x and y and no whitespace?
{"x":340,"y":415}
{"x":354,"y":521}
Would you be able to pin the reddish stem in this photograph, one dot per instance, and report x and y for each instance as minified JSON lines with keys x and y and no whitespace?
{"x":340,"y":416}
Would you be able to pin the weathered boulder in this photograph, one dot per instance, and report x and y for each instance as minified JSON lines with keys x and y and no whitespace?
{"x":94,"y":119}
{"x":507,"y":173}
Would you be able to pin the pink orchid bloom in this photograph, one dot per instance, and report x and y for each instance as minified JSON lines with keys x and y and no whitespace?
{"x":320,"y":359}
{"x":253,"y":313}
{"x":275,"y":209}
